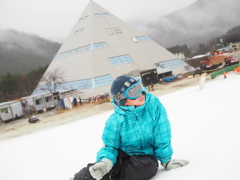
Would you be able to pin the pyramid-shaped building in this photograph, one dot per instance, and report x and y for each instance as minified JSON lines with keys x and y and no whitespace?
{"x":101,"y":47}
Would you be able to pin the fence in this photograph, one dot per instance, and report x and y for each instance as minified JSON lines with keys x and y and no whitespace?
{"x":227,"y":69}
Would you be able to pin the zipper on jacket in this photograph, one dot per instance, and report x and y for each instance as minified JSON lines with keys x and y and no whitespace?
{"x":139,"y":130}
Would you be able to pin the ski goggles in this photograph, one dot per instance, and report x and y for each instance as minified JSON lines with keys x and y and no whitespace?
{"x":132,"y":92}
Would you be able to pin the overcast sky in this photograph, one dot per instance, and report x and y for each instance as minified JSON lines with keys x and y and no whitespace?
{"x":54,"y":19}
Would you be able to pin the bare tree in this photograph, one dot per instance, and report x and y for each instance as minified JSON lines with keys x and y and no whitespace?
{"x":52,"y":80}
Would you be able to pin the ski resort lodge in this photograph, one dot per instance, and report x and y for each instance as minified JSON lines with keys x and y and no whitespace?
{"x":101,"y":47}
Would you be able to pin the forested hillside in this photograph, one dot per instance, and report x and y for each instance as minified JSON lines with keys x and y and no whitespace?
{"x":197,"y":23}
{"x":232,"y":35}
{"x":20,"y":52}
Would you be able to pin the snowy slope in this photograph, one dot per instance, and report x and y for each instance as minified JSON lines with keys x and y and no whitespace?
{"x":205,"y":129}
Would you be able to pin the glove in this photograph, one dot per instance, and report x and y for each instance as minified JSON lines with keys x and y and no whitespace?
{"x":99,"y":169}
{"x":175,"y":163}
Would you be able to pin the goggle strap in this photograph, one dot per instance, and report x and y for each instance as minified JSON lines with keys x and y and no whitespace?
{"x":119,"y":97}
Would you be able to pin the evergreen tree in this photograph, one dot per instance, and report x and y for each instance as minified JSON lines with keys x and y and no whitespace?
{"x":13,"y":86}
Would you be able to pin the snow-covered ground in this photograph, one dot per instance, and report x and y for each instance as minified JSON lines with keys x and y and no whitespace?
{"x":205,"y":130}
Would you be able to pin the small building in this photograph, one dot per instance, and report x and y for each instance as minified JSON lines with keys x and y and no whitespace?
{"x":49,"y":100}
{"x":152,"y":74}
{"x":37,"y":102}
{"x":196,"y":60}
{"x":11,"y":110}
{"x":163,"y":72}
{"x":234,"y":46}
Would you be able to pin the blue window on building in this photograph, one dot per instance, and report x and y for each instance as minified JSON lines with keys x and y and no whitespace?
{"x":78,"y":85}
{"x":81,"y":84}
{"x":83,"y":18}
{"x":141,"y":38}
{"x":105,"y":14}
{"x":78,"y":31}
{"x":97,"y":14}
{"x":99,"y":45}
{"x":102,"y":80}
{"x":120,"y":60}
{"x":86,"y":48}
{"x":172,"y":64}
{"x":80,"y":50}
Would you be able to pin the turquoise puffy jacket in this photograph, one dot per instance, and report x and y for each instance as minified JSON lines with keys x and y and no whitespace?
{"x":143,"y":130}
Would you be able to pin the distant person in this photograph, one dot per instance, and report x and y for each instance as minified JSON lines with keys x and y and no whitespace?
{"x":44,"y":110}
{"x":150,"y":84}
{"x":32,"y":111}
{"x":235,"y":71}
{"x":80,"y":101}
{"x":225,"y":74}
{"x":136,"y":136}
{"x":74,"y":102}
{"x":238,"y":70}
{"x":16,"y":116}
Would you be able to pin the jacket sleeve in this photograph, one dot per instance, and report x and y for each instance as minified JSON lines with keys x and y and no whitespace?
{"x":162,"y":134}
{"x":111,"y":139}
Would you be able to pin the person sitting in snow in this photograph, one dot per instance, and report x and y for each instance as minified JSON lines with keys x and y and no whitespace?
{"x":136,"y":136}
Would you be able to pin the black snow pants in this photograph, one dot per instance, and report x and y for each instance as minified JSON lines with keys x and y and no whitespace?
{"x":142,"y":167}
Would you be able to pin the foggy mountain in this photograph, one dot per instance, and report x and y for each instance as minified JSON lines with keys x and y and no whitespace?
{"x":21,"y":52}
{"x":197,"y":23}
